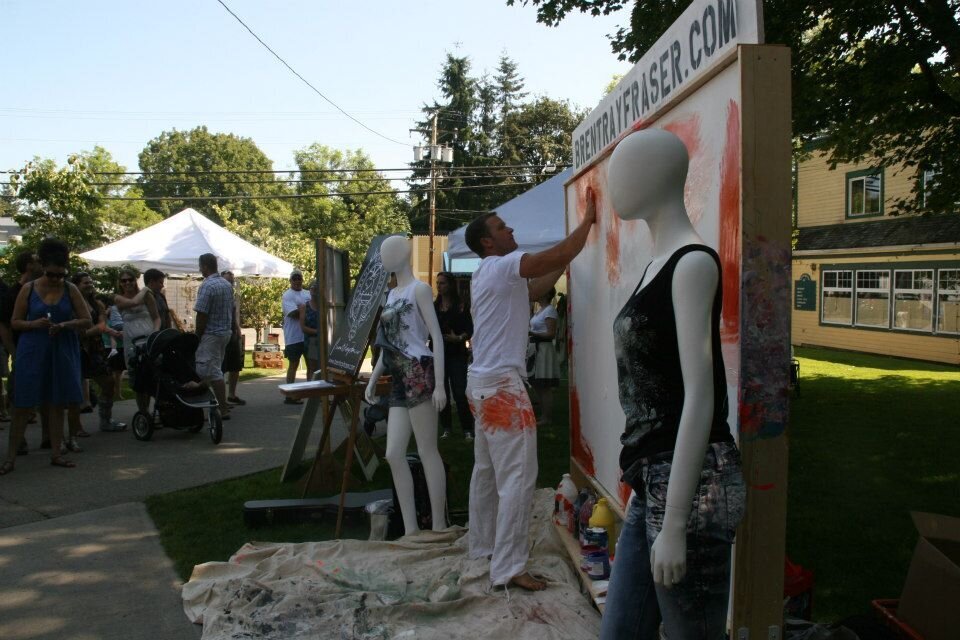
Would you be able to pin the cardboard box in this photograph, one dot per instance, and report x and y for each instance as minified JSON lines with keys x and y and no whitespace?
{"x":930,"y":602}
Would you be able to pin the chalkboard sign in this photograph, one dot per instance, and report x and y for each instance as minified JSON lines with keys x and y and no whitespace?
{"x":353,"y":332}
{"x":805,"y":294}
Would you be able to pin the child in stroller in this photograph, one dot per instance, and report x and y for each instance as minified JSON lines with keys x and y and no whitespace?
{"x":164,"y":369}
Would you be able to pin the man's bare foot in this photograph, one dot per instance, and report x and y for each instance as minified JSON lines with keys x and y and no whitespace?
{"x":528,"y":582}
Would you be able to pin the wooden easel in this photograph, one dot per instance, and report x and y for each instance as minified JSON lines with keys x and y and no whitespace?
{"x":344,"y":382}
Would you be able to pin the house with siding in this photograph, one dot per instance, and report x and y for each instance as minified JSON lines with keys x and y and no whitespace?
{"x":865,"y":279}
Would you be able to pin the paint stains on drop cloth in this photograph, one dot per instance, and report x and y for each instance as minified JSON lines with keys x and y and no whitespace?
{"x":730,"y":226}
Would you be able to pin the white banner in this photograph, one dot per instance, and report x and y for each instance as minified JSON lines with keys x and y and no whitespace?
{"x":692,"y":45}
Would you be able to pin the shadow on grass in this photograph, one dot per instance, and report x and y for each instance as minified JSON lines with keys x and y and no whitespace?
{"x":864,"y":452}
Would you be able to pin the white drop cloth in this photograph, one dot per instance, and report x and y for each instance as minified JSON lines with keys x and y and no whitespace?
{"x":419,"y":588}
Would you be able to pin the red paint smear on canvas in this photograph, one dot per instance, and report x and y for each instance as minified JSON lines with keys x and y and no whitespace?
{"x":688,"y":130}
{"x":579,"y":448}
{"x":592,"y":180}
{"x":730,"y":226}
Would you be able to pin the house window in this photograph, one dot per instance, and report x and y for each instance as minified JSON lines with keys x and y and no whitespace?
{"x":837,"y":304}
{"x":929,"y":182}
{"x":913,"y":300}
{"x":948,"y":301}
{"x":873,"y":299}
{"x":864,"y":193}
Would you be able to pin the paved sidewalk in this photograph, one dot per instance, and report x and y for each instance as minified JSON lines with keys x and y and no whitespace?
{"x":115,"y":467}
{"x":80,"y":559}
{"x":98,"y":575}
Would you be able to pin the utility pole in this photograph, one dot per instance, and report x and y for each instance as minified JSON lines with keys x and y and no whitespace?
{"x":433,"y":195}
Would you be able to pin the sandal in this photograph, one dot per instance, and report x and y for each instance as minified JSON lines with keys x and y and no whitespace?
{"x":236,"y":400}
{"x":6,"y":467}
{"x":82,"y":434}
{"x":60,"y":461}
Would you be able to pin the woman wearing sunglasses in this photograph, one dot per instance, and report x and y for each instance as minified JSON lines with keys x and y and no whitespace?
{"x":140,"y":319}
{"x":49,"y":313}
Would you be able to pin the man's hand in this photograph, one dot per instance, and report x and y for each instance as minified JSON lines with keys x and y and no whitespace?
{"x":590,"y":214}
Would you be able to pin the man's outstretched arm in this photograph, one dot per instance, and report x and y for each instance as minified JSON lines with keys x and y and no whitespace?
{"x":556,"y":258}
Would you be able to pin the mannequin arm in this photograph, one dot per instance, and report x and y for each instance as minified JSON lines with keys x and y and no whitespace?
{"x":370,"y":393}
{"x":424,"y":297}
{"x":694,"y":286}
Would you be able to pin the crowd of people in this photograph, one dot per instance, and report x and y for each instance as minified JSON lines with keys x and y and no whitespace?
{"x":61,"y":335}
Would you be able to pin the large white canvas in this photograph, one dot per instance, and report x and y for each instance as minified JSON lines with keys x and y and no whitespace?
{"x":606,"y":273}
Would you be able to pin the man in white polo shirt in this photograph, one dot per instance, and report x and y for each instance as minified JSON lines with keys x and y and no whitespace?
{"x":505,"y":448}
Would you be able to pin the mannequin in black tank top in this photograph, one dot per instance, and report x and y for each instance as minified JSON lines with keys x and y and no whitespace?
{"x":678,"y":453}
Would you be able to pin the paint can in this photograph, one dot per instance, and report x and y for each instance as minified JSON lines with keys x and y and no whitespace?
{"x":598,"y":565}
{"x":585,"y":553}
{"x":596,"y":537}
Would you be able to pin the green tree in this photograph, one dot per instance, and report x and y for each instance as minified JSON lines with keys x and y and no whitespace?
{"x":58,"y":201}
{"x":351,"y":202}
{"x":873,"y":80}
{"x":543,"y":135}
{"x":120,"y":217}
{"x":183,"y":164}
{"x":509,"y":85}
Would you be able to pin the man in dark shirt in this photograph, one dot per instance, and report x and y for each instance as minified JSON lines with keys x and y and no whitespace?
{"x":154,"y":278}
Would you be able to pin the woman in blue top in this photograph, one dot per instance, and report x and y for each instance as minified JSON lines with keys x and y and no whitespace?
{"x":49,"y":313}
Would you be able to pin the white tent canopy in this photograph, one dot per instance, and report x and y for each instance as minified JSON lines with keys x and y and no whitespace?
{"x":175,"y":244}
{"x":537,"y":218}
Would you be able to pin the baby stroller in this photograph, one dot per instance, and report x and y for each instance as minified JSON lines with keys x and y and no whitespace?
{"x":164,"y":368}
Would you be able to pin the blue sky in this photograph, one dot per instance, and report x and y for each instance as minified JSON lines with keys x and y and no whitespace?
{"x":118,"y":73}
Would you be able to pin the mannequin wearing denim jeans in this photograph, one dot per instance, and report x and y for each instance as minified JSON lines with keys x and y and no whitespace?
{"x":673,"y":554}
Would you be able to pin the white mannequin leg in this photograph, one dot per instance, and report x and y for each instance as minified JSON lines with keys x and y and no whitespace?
{"x":398,"y":438}
{"x":424,"y":418}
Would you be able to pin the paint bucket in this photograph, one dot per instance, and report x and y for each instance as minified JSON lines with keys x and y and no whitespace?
{"x":585,"y":553}
{"x":598,"y":565}
{"x":596,"y":537}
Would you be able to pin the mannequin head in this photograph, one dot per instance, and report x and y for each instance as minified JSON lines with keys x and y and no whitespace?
{"x":395,"y":253}
{"x":646,"y":173}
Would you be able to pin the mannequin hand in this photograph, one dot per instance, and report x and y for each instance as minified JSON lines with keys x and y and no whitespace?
{"x":370,"y":393}
{"x":590,"y":215}
{"x":387,"y":314}
{"x":668,"y":554}
{"x":439,"y":398}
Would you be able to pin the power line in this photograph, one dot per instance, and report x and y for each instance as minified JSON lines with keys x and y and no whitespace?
{"x":305,"y":81}
{"x":305,"y":171}
{"x":294,"y":181}
{"x":296,"y":196}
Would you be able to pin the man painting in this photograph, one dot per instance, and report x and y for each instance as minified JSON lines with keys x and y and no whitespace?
{"x":505,"y":448}
{"x":214,"y":307}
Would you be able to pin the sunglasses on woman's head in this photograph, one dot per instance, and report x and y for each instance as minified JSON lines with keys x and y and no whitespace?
{"x":55,"y":274}
{"x":122,"y":280}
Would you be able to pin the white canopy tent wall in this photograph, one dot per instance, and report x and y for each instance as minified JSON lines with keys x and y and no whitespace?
{"x":536,"y":216}
{"x":174,"y":245}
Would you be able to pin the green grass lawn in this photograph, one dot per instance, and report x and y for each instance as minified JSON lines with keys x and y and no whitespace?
{"x":871,"y":439}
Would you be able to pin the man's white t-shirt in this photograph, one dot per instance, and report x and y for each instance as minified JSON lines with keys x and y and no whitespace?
{"x":501,"y":315}
{"x":291,"y":300}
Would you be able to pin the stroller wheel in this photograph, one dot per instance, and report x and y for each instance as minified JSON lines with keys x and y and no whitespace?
{"x":142,"y":426}
{"x":216,"y":426}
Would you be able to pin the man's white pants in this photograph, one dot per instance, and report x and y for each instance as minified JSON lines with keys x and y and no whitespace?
{"x":504,"y":473}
